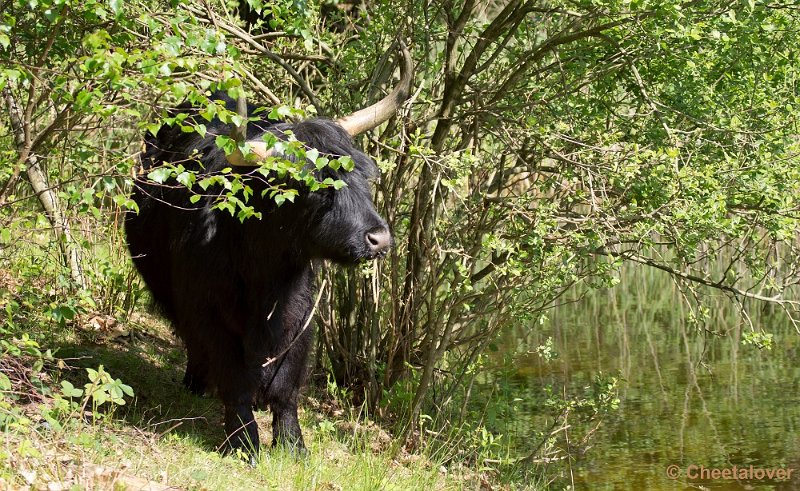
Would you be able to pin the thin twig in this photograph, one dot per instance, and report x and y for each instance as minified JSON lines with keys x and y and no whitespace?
{"x":272,"y":360}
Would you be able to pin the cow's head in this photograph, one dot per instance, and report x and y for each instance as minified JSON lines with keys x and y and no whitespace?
{"x":343,"y":225}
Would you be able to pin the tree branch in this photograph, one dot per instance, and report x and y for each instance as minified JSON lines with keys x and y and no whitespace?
{"x":242,"y":35}
{"x":697,"y":279}
{"x":47,"y":196}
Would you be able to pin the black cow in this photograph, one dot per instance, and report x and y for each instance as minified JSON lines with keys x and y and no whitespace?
{"x":240,"y":294}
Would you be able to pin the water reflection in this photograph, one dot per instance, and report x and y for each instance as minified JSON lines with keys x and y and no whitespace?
{"x":689,"y":395}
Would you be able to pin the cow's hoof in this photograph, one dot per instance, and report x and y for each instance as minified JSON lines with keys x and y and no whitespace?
{"x":297,"y":450}
{"x":299,"y":453}
{"x":250,"y":457}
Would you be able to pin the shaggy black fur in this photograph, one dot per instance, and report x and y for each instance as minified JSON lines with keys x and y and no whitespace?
{"x":240,"y":293}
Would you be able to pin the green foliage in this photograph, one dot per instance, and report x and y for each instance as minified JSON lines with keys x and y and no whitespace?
{"x":600,"y":398}
{"x":20,"y":357}
{"x":761,"y":340}
{"x":23,"y":345}
{"x":553,"y":144}
{"x":230,"y":191}
{"x":101,"y":389}
{"x":546,"y":350}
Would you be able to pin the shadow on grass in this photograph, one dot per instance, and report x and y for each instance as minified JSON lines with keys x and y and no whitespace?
{"x":153,"y":367}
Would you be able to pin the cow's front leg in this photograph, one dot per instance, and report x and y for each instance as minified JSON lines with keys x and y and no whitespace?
{"x":237,"y":386}
{"x":241,"y":430}
{"x":286,"y":428}
{"x":196,"y":377}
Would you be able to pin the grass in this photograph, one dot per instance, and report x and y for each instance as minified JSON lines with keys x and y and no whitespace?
{"x":116,"y":455}
{"x":166,"y":438}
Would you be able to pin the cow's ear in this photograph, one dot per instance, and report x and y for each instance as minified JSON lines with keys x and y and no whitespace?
{"x":365,"y":165}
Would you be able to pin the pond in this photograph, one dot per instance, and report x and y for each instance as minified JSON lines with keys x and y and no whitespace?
{"x":691,"y":399}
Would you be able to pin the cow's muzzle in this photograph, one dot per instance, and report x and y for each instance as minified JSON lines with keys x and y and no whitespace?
{"x":378,"y":241}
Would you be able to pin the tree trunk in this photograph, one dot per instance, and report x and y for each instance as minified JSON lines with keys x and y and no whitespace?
{"x":70,"y":252}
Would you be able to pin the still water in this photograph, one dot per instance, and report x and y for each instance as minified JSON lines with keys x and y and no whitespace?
{"x":692,"y":398}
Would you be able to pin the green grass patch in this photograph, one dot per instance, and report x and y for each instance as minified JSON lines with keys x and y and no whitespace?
{"x":55,"y":434}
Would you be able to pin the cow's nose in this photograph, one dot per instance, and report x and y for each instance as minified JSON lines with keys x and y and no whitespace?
{"x":379,"y":240}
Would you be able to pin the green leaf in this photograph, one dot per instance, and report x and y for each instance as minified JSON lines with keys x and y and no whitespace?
{"x":63,"y":313}
{"x":321,"y":163}
{"x":69,"y":390}
{"x":5,"y":382}
{"x":127,"y":389}
{"x":99,"y":397}
{"x":206,"y":183}
{"x":160,"y":174}
{"x":83,"y":98}
{"x":347,"y":163}
{"x":280,"y":112}
{"x":116,"y":6}
{"x":226,"y":143}
{"x":123,"y":201}
{"x":186,"y":178}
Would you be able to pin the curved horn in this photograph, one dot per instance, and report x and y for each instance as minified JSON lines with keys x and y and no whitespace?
{"x":356,"y":123}
{"x":380,"y":112}
{"x":258,"y":150}
{"x":239,"y":134}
